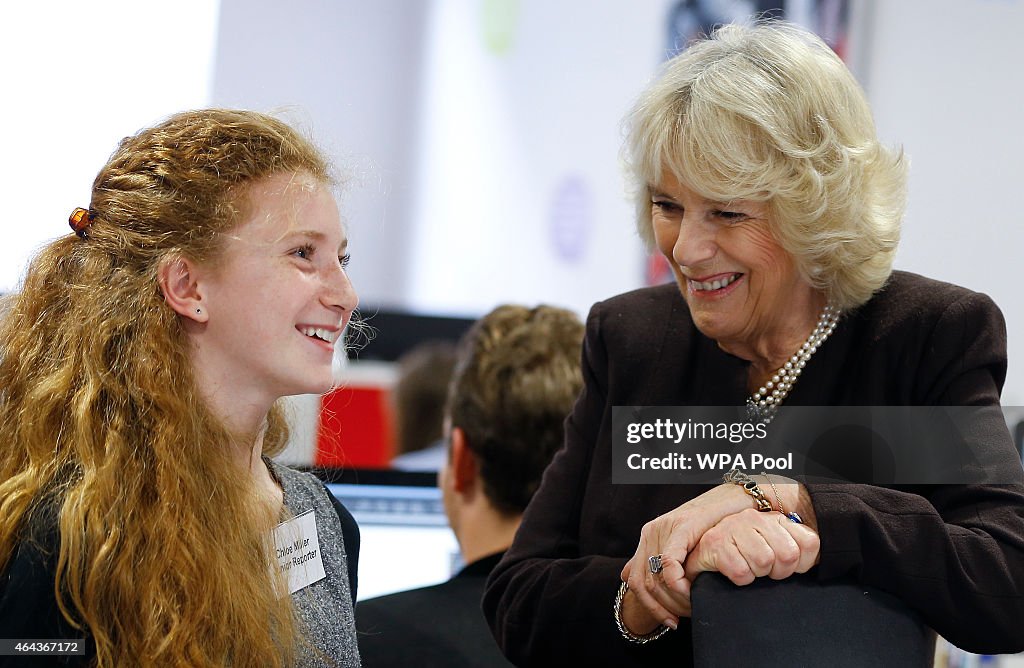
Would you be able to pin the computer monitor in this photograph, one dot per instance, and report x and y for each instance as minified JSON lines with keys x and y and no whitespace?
{"x":406,"y":542}
{"x":395,"y":332}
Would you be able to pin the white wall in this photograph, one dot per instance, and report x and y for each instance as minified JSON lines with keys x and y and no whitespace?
{"x":520,"y":196}
{"x":945,"y":80}
{"x":75,"y":78}
{"x":349,"y":71}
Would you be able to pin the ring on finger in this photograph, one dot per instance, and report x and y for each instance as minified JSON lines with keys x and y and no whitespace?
{"x":655,"y":564}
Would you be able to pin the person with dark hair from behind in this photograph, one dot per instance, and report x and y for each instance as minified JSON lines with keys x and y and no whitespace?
{"x":516,"y":378}
{"x":418,"y":400}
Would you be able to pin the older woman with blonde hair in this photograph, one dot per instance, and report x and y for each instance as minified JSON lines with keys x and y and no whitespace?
{"x":140,"y":368}
{"x":761,"y":181}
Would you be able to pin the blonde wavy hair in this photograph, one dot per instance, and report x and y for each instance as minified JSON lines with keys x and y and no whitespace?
{"x":769,"y":113}
{"x":163,"y":555}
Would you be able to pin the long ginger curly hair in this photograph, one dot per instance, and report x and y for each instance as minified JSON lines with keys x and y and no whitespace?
{"x":163,"y":553}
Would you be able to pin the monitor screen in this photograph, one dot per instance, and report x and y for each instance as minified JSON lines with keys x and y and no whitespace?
{"x":405,"y":539}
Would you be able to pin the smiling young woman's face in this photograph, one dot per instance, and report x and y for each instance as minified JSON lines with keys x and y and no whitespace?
{"x":738,"y":281}
{"x":279,"y":298}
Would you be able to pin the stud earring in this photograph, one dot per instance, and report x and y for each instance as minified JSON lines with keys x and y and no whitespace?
{"x":199,"y":310}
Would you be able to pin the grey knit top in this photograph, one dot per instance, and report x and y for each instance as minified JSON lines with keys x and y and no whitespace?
{"x":324,"y":608}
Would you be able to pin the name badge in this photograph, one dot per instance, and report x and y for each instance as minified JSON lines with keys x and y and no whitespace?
{"x":298,"y":551}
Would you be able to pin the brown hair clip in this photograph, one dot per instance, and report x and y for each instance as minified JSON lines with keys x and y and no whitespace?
{"x":80,"y":219}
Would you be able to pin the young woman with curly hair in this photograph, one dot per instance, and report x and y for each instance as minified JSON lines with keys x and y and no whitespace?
{"x":140,"y":368}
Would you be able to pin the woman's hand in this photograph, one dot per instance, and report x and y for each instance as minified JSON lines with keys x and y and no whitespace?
{"x":665,"y":597}
{"x":752,"y":544}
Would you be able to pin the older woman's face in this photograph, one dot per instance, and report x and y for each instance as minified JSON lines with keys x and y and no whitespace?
{"x":739,"y":283}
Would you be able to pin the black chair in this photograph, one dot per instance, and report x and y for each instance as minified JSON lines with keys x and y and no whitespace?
{"x":801,"y":622}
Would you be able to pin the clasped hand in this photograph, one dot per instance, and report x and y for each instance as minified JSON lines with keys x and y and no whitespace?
{"x":716,"y":531}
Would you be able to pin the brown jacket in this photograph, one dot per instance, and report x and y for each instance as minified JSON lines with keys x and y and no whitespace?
{"x":955,"y":553}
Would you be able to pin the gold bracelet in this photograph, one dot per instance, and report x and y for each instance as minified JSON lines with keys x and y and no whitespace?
{"x":737,"y":477}
{"x":626,"y":633}
{"x":793,"y":517}
{"x":782,"y":508}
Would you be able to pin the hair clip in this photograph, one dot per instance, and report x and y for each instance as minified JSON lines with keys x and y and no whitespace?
{"x":80,"y":219}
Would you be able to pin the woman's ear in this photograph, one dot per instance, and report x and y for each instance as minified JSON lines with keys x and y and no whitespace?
{"x":178,"y":278}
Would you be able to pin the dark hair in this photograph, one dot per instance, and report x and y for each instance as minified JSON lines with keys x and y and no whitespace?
{"x":516,"y":379}
{"x":420,"y":393}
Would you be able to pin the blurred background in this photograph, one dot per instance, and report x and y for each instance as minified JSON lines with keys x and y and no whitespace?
{"x":479,"y":140}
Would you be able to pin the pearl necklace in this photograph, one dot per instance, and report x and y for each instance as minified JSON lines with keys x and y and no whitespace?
{"x":761,"y":406}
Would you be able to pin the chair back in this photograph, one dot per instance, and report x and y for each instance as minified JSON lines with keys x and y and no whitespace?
{"x":802,"y":622}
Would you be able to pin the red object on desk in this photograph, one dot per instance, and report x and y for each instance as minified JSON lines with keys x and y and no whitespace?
{"x":355,"y":428}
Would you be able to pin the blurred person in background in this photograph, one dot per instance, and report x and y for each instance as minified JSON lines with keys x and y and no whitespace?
{"x":418,"y":401}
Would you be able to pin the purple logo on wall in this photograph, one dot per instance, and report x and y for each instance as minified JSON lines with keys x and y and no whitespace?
{"x":570,"y":218}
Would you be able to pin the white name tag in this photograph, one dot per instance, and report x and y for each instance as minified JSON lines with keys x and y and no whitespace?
{"x":297,"y":547}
